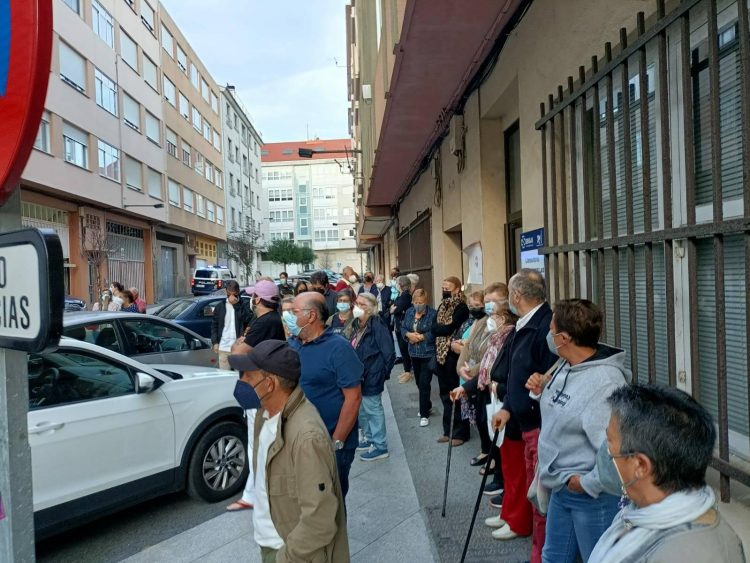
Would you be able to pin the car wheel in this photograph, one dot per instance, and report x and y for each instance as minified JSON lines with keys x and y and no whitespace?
{"x":219,"y":463}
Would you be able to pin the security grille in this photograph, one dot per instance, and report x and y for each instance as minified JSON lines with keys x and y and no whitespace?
{"x":126,"y":255}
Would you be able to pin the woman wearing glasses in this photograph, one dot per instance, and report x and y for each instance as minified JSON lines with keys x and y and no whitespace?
{"x":575,"y":414}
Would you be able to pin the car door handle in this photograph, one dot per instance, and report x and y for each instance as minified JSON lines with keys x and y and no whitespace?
{"x":46,"y":427}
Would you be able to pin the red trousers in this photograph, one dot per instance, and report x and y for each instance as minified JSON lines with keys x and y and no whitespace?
{"x":530,"y":442}
{"x":516,"y":509}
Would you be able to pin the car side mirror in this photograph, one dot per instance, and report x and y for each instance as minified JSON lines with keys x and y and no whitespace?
{"x":208,"y":311}
{"x":145,"y":383}
{"x":196,"y":344}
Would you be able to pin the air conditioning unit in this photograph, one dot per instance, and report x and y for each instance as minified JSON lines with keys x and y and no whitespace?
{"x":367,"y":92}
{"x":456,"y":140}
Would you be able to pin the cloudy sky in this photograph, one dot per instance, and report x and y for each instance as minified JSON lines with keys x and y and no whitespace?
{"x":281,"y":55}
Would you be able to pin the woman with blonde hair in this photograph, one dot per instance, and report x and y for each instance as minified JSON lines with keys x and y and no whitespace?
{"x":416,"y":329}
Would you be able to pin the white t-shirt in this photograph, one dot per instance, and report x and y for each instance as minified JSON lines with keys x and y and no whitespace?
{"x":229,"y":335}
{"x":264,"y":531}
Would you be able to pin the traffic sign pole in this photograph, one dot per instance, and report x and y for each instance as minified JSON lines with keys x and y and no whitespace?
{"x":16,"y":494}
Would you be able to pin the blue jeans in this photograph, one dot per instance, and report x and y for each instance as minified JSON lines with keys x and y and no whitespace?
{"x":575,"y":522}
{"x":372,"y":421}
{"x":344,"y":459}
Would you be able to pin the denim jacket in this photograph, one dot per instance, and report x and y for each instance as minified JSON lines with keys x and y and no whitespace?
{"x":426,"y":348}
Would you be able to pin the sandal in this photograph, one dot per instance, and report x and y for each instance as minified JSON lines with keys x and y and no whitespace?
{"x":492,"y":467}
{"x":239,"y":505}
{"x":478,"y":460}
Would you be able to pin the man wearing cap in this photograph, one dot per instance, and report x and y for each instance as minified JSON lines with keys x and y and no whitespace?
{"x":331,"y":375}
{"x":267,"y":324}
{"x":303,"y":518}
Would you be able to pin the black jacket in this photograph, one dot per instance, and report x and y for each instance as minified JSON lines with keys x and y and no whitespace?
{"x":242,"y":318}
{"x":528,"y":353}
{"x":385,"y":301}
{"x":376,"y":352}
{"x":402,"y":303}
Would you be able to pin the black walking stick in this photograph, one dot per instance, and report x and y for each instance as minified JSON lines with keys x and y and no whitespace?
{"x":448,"y":465}
{"x":479,"y":496}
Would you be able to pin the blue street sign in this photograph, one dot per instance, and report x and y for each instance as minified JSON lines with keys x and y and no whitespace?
{"x":532,"y":240}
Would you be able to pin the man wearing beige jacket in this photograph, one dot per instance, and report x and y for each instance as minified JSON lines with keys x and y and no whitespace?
{"x":299,"y":509}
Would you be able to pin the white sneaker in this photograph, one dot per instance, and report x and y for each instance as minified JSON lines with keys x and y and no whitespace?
{"x":504,"y":533}
{"x":494,"y":522}
{"x":424,"y":422}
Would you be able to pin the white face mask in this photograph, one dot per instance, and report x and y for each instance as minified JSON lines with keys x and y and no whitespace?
{"x":380,"y":285}
{"x":491,"y":325}
{"x":358,"y":311}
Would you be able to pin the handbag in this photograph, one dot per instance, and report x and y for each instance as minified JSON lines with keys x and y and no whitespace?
{"x":491,"y":408}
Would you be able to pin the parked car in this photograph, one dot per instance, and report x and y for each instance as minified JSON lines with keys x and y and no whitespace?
{"x":149,"y":339}
{"x":207,"y":280}
{"x":107,"y":432}
{"x":74,"y":304}
{"x":195,"y":313}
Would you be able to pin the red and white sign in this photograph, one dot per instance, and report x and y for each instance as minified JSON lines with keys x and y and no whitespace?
{"x":25,"y":51}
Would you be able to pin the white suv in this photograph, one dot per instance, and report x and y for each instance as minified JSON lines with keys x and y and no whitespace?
{"x":107,"y":432}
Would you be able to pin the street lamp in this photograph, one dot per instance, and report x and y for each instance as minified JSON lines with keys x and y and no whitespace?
{"x":154,"y":205}
{"x":308,"y":153}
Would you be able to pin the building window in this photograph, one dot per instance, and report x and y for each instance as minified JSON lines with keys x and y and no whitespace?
{"x":131,"y":112}
{"x":174,"y":193}
{"x":195,"y":77}
{"x":245,"y":171}
{"x":102,"y":23}
{"x":211,"y":211}
{"x":217,"y":140}
{"x":128,"y":50}
{"x":150,"y":74}
{"x":106,"y":92}
{"x":214,"y":102}
{"x":197,"y":120}
{"x":205,"y":90}
{"x":231,"y":150}
{"x":170,"y":92}
{"x":167,"y":41}
{"x":219,"y":181}
{"x":109,"y":161}
{"x":198,"y":163}
{"x":152,"y":129}
{"x":182,"y":60}
{"x":171,"y":142}
{"x":187,"y":200}
{"x":219,"y":215}
{"x":147,"y":15}
{"x":133,"y":174}
{"x":74,"y":5}
{"x":200,"y":208}
{"x":72,"y":68}
{"x":42,"y":136}
{"x":282,"y":216}
{"x":186,"y":154}
{"x":76,"y":145}
{"x":154,"y":183}
{"x":207,"y":130}
{"x":209,"y":172}
{"x":184,"y":107}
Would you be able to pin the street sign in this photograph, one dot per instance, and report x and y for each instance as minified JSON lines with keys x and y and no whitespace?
{"x":32,"y":293}
{"x":531,"y":242}
{"x":25,"y":50}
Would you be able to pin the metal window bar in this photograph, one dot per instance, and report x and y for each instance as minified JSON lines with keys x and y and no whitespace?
{"x":602,"y":248}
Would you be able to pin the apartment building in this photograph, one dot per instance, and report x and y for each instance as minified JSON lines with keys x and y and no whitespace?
{"x":96,"y":174}
{"x":195,"y":176}
{"x":614,"y":163}
{"x":246,"y":206}
{"x":311,"y":201}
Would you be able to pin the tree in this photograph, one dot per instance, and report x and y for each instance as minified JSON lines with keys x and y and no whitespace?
{"x":95,"y":250}
{"x":242,"y":248}
{"x":285,"y":252}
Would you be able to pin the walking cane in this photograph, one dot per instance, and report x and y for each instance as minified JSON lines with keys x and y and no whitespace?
{"x":479,"y":497}
{"x":448,"y":465}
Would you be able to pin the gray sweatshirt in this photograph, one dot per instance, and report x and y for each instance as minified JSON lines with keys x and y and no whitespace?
{"x":575,"y":415}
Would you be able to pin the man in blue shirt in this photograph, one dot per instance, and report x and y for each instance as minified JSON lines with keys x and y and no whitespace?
{"x":331,"y":375}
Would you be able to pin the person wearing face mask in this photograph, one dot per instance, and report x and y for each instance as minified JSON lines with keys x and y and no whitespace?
{"x":319,"y":284}
{"x":287,"y":304}
{"x":660,"y":443}
{"x":300,"y":287}
{"x":372,"y":341}
{"x":416,"y":329}
{"x":383,"y":295}
{"x":341,"y":321}
{"x":528,"y":354}
{"x":398,"y":308}
{"x":331,"y":375}
{"x":369,"y":285}
{"x":575,"y":414}
{"x":451,"y":314}
{"x":285,"y":288}
{"x":299,"y":510}
{"x":267,"y":324}
{"x":231,"y":318}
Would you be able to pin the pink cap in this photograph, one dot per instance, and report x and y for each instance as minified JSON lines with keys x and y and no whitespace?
{"x":265,"y":289}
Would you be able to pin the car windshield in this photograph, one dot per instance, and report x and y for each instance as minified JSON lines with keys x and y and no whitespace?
{"x":174,"y":310}
{"x":212,"y":274}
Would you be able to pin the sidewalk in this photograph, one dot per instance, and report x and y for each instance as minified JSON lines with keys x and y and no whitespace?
{"x":385,"y":521}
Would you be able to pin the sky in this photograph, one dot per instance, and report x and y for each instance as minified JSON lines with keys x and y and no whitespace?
{"x":286,"y":59}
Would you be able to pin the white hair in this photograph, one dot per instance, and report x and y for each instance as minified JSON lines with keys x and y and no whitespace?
{"x":414,"y":279}
{"x":371,"y":300}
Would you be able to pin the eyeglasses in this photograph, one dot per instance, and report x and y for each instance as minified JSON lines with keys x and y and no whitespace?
{"x":615,"y":456}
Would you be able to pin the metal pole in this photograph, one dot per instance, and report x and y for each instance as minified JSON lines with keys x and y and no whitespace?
{"x":448,"y":464}
{"x":16,"y":494}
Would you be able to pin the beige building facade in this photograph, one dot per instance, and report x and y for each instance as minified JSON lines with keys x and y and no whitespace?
{"x":515,"y":120}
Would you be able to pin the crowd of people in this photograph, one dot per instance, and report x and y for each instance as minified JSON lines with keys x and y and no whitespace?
{"x":117,"y":298}
{"x":590,"y":466}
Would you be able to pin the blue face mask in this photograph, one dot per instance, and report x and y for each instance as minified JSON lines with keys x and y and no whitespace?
{"x":394,"y":292}
{"x":513,"y":309}
{"x":290,"y":320}
{"x":343,"y":307}
{"x":419,"y":308}
{"x":246,"y":396}
{"x":551,"y":343}
{"x":489,"y":308}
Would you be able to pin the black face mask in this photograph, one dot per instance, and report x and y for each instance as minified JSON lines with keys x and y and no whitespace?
{"x":447,"y":294}
{"x":319,"y":290}
{"x":477,"y":313}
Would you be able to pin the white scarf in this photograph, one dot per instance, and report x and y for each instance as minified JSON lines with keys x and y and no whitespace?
{"x":633,"y":528}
